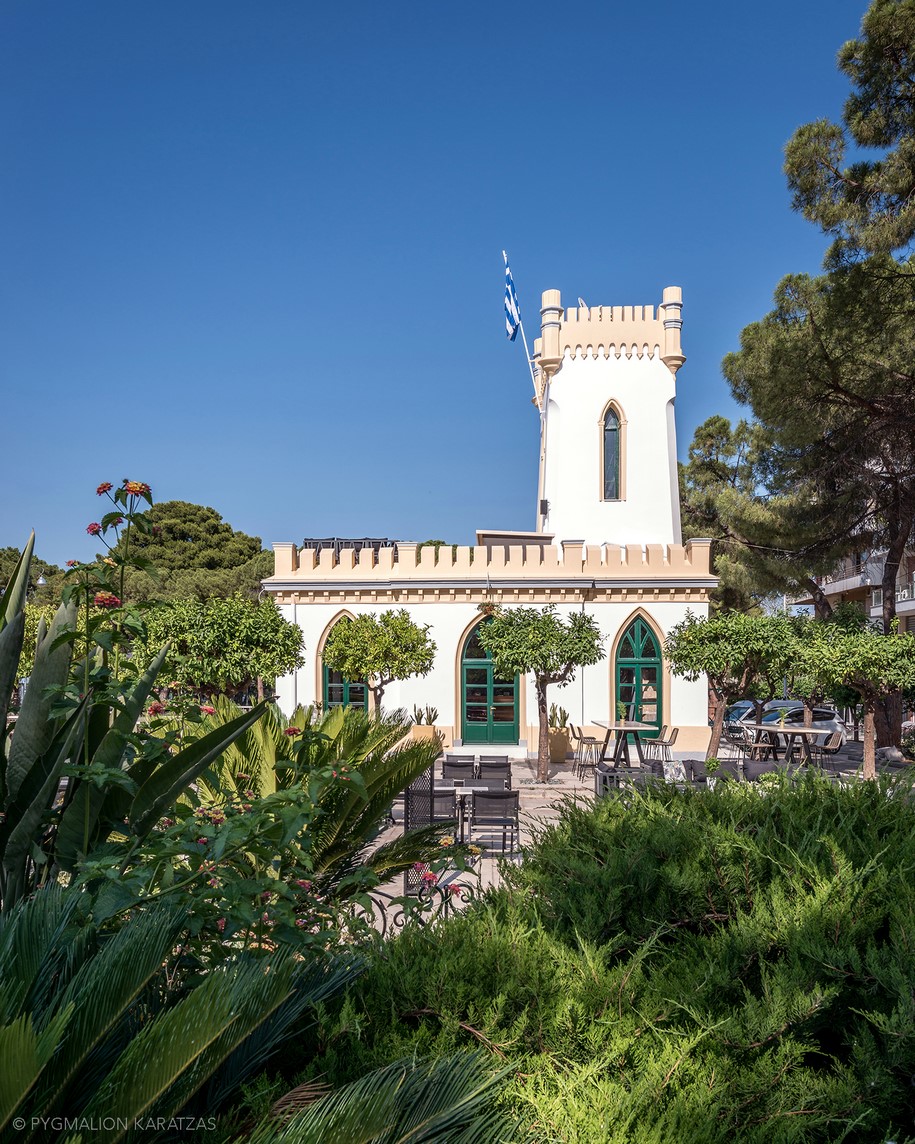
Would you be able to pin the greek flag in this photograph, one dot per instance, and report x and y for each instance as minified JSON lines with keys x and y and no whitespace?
{"x":512,"y":310}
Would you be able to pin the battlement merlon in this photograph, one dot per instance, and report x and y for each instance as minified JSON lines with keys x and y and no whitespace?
{"x":687,"y":563}
{"x":609,"y":329}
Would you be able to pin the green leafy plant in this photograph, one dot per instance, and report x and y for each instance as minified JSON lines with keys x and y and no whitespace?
{"x":431,"y":715}
{"x":418,"y":715}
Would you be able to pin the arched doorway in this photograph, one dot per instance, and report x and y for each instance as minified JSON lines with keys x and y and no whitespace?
{"x":489,"y":705}
{"x":638,"y":675}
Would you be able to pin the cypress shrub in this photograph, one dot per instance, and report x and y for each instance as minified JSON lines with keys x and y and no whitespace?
{"x":735,"y":965}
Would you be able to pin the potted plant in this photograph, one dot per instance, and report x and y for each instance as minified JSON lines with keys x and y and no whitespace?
{"x":711,"y":766}
{"x":621,"y":710}
{"x":559,"y":734}
{"x":424,"y":729}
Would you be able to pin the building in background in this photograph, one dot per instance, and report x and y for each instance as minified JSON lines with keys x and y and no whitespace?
{"x":607,"y":542}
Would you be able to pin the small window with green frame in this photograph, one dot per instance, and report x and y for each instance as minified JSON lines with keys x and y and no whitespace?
{"x":611,"y":454}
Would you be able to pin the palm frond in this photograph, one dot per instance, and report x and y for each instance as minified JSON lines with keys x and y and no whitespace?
{"x":451,"y":1099}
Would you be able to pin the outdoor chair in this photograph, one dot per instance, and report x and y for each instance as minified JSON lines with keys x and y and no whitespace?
{"x":495,"y":810}
{"x":663,"y":747}
{"x":458,"y":760}
{"x":494,"y":780}
{"x":588,"y":754}
{"x":820,"y":752}
{"x":495,"y":772}
{"x":651,"y":746}
{"x":465,"y":770}
{"x":444,"y":807}
{"x":495,"y":761}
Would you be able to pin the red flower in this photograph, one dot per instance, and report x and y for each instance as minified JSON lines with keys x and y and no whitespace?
{"x":429,"y":878}
{"x":155,"y":709}
{"x":106,"y":600}
{"x":208,"y":710}
{"x":136,"y":488}
{"x":94,"y":529}
{"x":293,"y":731}
{"x":221,"y":924}
{"x":454,"y":888}
{"x":103,"y":488}
{"x":72,"y":563}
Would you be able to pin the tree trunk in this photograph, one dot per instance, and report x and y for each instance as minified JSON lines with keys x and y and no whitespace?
{"x":260,"y":689}
{"x":717,"y":724}
{"x":870,"y":757}
{"x":887,"y":716}
{"x":822,"y":608}
{"x":543,"y":739}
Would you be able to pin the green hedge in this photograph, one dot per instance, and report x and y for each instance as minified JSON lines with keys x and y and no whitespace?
{"x":715,"y":967}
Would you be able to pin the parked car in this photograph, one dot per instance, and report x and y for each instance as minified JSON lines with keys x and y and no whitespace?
{"x":792,"y":711}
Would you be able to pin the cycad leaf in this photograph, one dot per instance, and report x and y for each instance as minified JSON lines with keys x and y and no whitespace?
{"x":448,"y":1099}
{"x":105,"y":987}
{"x":25,"y":1051}
{"x":171,"y":1045}
{"x":169,"y":780}
{"x":11,"y":639}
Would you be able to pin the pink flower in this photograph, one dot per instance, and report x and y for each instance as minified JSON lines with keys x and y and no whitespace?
{"x":293,"y":731}
{"x":155,"y":709}
{"x":72,"y":563}
{"x":300,"y":922}
{"x":103,"y":488}
{"x":208,"y":710}
{"x":94,"y":529}
{"x":429,"y":878}
{"x":455,"y":889}
{"x":203,"y":841}
{"x":303,"y":883}
{"x":136,"y":488}
{"x":419,"y":867}
{"x":106,"y":600}
{"x":221,"y":924}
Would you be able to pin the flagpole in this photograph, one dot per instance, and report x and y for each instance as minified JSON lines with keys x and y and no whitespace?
{"x":527,"y":353}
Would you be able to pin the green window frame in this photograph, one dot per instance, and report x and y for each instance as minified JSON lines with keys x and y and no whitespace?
{"x":611,"y":455}
{"x":340,"y":692}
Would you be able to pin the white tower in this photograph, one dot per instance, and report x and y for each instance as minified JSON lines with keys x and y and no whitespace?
{"x":608,"y":450}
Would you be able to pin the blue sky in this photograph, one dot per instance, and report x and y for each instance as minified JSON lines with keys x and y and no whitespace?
{"x":251,"y":253}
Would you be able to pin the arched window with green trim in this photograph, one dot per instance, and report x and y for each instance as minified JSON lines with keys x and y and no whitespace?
{"x":639,"y":677}
{"x":611,"y":455}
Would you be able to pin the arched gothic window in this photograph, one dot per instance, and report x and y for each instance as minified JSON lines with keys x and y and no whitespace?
{"x":611,"y":455}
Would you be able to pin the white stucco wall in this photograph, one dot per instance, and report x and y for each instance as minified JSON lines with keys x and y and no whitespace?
{"x":588,"y":698}
{"x":643,"y":391}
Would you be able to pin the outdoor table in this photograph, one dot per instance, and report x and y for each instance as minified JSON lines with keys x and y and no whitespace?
{"x":461,"y":792}
{"x":624,"y":728}
{"x":793,"y":733}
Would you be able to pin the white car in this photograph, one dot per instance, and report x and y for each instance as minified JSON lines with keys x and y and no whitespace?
{"x":792,"y":711}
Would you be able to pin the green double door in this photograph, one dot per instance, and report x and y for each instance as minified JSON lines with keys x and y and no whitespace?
{"x":638,"y":675}
{"x":489,"y":705}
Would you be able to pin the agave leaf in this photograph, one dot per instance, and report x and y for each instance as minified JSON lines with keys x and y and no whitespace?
{"x":14,"y":595}
{"x":27,"y":810}
{"x":35,"y":727}
{"x":89,"y":802}
{"x":168,"y":781}
{"x":11,"y":638}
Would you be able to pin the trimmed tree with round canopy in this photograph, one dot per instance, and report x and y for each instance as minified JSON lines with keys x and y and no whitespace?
{"x":527,"y":641}
{"x":378,"y":650}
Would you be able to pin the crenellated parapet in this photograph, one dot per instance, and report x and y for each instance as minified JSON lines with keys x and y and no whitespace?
{"x":605,"y":331}
{"x":492,"y":569}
